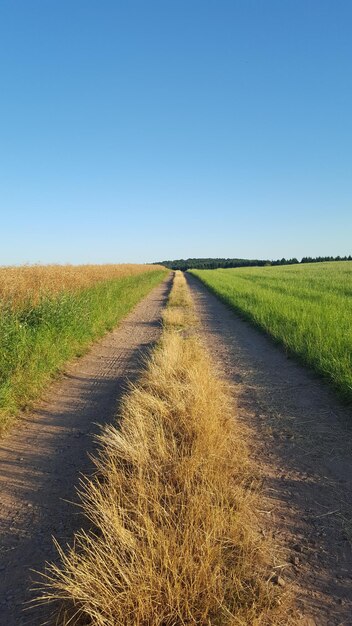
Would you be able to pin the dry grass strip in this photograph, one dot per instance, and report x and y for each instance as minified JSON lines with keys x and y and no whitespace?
{"x":172,"y":504}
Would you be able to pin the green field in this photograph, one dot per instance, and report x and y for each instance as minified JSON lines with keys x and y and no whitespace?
{"x":307,"y":308}
{"x":39,"y":335}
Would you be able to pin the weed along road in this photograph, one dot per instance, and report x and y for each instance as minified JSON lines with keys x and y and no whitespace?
{"x":43,"y":455}
{"x":302,"y":444}
{"x":173,"y":505}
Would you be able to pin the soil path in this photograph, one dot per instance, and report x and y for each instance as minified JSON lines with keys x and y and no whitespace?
{"x":302,"y":442}
{"x":43,"y":456}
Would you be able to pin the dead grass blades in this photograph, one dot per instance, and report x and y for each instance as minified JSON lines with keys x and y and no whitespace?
{"x":174,"y":539}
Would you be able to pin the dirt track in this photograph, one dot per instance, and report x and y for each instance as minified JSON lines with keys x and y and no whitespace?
{"x":43,"y":456}
{"x":302,"y":442}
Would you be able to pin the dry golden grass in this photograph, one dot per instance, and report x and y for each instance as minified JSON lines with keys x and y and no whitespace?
{"x":29,"y":283}
{"x":172,"y":504}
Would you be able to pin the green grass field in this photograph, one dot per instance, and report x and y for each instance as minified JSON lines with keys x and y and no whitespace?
{"x":307,"y":308}
{"x":36,"y":340}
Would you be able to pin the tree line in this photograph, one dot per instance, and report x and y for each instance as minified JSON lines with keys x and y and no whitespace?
{"x":211,"y":264}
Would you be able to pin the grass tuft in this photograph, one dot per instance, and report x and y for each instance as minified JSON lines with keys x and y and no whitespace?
{"x":174,"y":539}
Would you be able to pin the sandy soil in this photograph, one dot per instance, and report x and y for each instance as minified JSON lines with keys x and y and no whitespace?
{"x":46,"y":451}
{"x":302,"y":443}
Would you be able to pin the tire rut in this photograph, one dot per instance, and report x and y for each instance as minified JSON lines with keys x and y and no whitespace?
{"x":43,"y":456}
{"x":302,"y":443}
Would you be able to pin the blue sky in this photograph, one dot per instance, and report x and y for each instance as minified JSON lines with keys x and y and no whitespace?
{"x":154,"y":129}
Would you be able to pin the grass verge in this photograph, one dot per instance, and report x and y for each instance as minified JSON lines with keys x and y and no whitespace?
{"x":172,"y":506}
{"x":38,"y":338}
{"x":306,"y":308}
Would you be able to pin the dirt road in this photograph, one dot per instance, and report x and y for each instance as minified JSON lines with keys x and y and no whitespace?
{"x":302,"y":443}
{"x":43,"y":456}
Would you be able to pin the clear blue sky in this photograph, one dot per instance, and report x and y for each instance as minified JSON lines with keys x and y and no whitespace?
{"x":141,"y":130}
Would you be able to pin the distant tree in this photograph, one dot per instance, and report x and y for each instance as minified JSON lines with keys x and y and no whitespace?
{"x":210,"y":264}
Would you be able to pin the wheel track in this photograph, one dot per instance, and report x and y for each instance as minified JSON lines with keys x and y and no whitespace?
{"x":43,"y":456}
{"x":302,"y":443}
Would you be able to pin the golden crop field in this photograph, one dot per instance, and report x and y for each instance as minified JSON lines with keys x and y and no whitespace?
{"x":29,"y":283}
